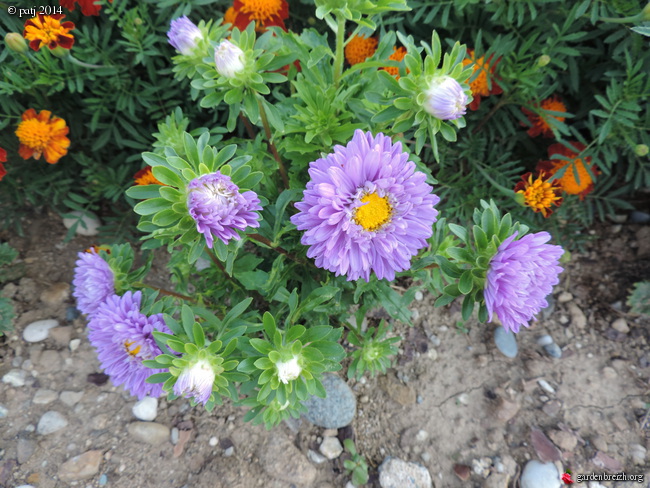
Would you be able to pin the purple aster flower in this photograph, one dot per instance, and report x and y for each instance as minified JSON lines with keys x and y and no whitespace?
{"x":183,"y":35}
{"x":123,"y":338}
{"x":218,"y":208}
{"x":520,"y":277}
{"x":196,"y":381}
{"x":93,"y":282}
{"x":366,"y":208}
{"x":445,"y":98}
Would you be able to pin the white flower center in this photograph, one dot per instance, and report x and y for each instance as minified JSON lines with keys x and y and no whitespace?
{"x":289,"y":370}
{"x":218,"y":193}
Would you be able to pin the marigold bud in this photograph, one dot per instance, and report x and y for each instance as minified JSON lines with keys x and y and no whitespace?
{"x":16,"y":42}
{"x":445,"y":98}
{"x":641,"y":150}
{"x":543,"y":60}
{"x":229,"y":59}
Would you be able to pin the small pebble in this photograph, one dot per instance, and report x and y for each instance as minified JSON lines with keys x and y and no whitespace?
{"x":51,"y":422}
{"x":545,"y":340}
{"x":146,"y":409}
{"x":540,"y":475}
{"x":544,"y":384}
{"x":103,"y":479}
{"x":435,"y":340}
{"x":565,"y":297}
{"x":637,"y":217}
{"x":331,"y":447}
{"x":15,"y":377}
{"x":71,"y":313}
{"x":506,"y":342}
{"x":621,"y":326}
{"x":419,"y":296}
{"x":553,"y":350}
{"x":229,"y":452}
{"x":175,"y":434}
{"x":316,"y":458}
{"x":4,"y":411}
{"x":39,"y":330}
{"x":74,"y":344}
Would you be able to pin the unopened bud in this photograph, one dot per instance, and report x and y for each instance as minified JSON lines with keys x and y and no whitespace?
{"x":543,"y":60}
{"x":137,"y":21}
{"x":60,"y":52}
{"x":288,"y":370}
{"x":641,"y":150}
{"x":445,"y":98}
{"x":183,"y":35}
{"x":229,"y":59}
{"x":16,"y":42}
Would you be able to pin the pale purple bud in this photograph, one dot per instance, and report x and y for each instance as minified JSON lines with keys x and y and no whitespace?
{"x":196,"y":381}
{"x":183,"y":35}
{"x":229,"y":59}
{"x":445,"y":98}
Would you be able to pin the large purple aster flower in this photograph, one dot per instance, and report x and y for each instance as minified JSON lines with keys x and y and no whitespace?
{"x":520,"y":277}
{"x":93,"y":282}
{"x":123,"y":338}
{"x":218,"y":208}
{"x":366,"y":208}
{"x":183,"y":34}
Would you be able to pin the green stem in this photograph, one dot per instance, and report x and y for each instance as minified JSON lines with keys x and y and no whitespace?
{"x":74,"y":60}
{"x":266,"y":242}
{"x":632,"y":19}
{"x":340,"y":44}
{"x":274,"y":150}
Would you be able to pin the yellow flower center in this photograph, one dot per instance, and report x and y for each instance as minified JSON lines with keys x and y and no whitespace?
{"x":132,"y":352}
{"x":539,"y":194}
{"x":261,"y":10}
{"x":375,"y":213}
{"x":35,"y":134}
{"x":47,"y":31}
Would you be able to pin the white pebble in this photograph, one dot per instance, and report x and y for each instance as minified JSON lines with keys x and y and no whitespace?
{"x":544,"y":384}
{"x":51,"y":422}
{"x":213,"y":441}
{"x":39,"y":330}
{"x":88,"y":226}
{"x":15,"y":377}
{"x":74,"y":344}
{"x":331,"y":447}
{"x":174,"y":435}
{"x":316,"y":458}
{"x":419,"y":296}
{"x":146,"y":409}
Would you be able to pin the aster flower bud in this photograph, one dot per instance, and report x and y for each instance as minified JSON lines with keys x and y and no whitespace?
{"x":445,"y":98}
{"x":543,"y":60}
{"x":196,"y":381}
{"x":16,"y":42}
{"x":641,"y":150}
{"x":229,"y":59}
{"x":288,"y":370}
{"x":183,"y":35}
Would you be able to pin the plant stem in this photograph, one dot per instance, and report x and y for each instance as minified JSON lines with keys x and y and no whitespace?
{"x":489,"y":115}
{"x":339,"y":55}
{"x":274,"y":151}
{"x":247,"y":124}
{"x":278,"y":249}
{"x":163,"y":291}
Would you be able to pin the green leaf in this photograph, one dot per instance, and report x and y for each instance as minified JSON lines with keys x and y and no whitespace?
{"x":269,"y":325}
{"x":467,"y":307}
{"x":151,"y":206}
{"x":466,"y":282}
{"x":199,"y":335}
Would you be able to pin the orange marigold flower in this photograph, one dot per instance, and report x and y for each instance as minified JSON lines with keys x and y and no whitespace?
{"x":480,"y":86}
{"x":230,"y":16}
{"x":38,"y":134}
{"x":265,"y":13}
{"x":539,"y":122}
{"x":576,"y":179}
{"x":146,"y":177}
{"x":398,"y":55}
{"x":539,"y":194}
{"x":47,"y":30}
{"x":3,"y":159}
{"x":360,"y":48}
{"x":95,"y":249}
{"x":88,"y":7}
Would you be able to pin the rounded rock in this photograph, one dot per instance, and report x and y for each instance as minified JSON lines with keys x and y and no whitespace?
{"x":395,"y":473}
{"x":51,"y":422}
{"x":553,"y":350}
{"x":15,"y":377}
{"x":39,"y":330}
{"x":88,"y":223}
{"x":545,"y":340}
{"x":331,"y":447}
{"x":621,"y":326}
{"x":540,"y":475}
{"x":146,"y":409}
{"x":81,"y":467}
{"x":506,"y":342}
{"x":149,"y":432}
{"x":337,"y":409}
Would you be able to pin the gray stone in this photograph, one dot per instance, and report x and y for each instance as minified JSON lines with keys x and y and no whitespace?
{"x":315,"y":458}
{"x":637,"y":217}
{"x":545,"y":340}
{"x":578,"y":318}
{"x":638,"y":453}
{"x":43,"y":396}
{"x":39,"y":330}
{"x":103,"y":479}
{"x":506,"y":342}
{"x":61,"y":335}
{"x":331,"y":447}
{"x":395,"y":473}
{"x":620,"y":325}
{"x":280,"y":459}
{"x":15,"y":377}
{"x":51,"y":422}
{"x":149,"y":432}
{"x":56,"y":294}
{"x":565,"y":297}
{"x":81,"y":467}
{"x":24,"y":450}
{"x":337,"y":409}
{"x":71,"y":398}
{"x":540,"y":475}
{"x":553,"y":350}
{"x":4,"y":411}
{"x":88,"y":223}
{"x":146,"y":409}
